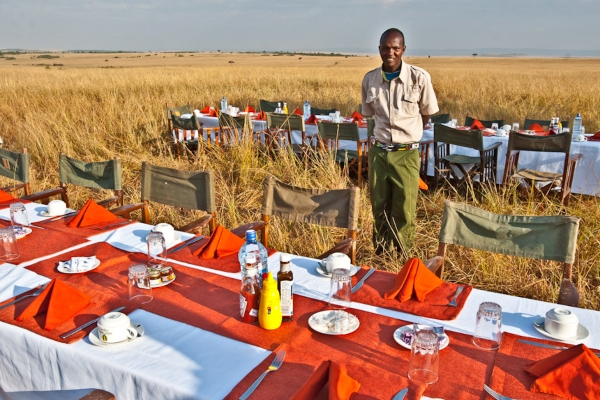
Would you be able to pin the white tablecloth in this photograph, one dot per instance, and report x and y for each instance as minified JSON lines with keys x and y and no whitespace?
{"x":16,"y":280}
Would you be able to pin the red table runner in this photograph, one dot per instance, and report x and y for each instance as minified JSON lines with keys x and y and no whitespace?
{"x":88,"y":231}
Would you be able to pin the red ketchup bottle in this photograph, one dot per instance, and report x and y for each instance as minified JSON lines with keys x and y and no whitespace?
{"x":250,"y":292}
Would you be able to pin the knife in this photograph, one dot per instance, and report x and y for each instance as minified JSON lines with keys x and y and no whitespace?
{"x":547,"y":346}
{"x":59,"y":217}
{"x":400,"y":395}
{"x":67,"y":334}
{"x":364,"y":278}
{"x":183,"y":246}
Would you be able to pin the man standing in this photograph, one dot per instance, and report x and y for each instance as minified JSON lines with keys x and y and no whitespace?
{"x":401,"y":99}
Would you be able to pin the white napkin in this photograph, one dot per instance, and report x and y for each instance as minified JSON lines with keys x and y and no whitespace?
{"x":79,"y":264}
{"x":16,"y":280}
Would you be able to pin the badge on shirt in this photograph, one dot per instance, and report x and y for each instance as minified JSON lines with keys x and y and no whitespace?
{"x":372,"y":140}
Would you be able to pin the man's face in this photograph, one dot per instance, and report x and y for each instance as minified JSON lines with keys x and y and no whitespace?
{"x":391,"y":48}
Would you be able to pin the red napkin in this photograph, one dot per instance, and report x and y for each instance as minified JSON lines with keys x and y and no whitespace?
{"x":249,"y":109}
{"x":414,"y":278}
{"x":535,"y":127}
{"x":595,"y":138}
{"x":422,"y":185}
{"x":356,"y":116}
{"x":59,"y":301}
{"x":572,"y":374}
{"x":477,"y":125}
{"x":212,"y":113}
{"x":262,"y":116}
{"x":298,"y":112}
{"x":341,"y":386}
{"x":5,"y":196}
{"x":312,"y":119}
{"x":222,"y":243}
{"x":206,"y":110}
{"x":91,"y":214}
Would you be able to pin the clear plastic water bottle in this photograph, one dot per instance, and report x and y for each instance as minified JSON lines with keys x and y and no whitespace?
{"x":306,"y":110}
{"x":278,"y":110}
{"x":577,"y":125}
{"x":223,"y":104}
{"x":252,"y":246}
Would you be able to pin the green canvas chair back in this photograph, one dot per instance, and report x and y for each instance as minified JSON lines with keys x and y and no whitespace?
{"x":440,"y":118}
{"x":322,"y":111}
{"x":487,"y":123}
{"x":192,"y":190}
{"x":290,"y":122}
{"x":560,"y":143}
{"x":327,"y":207}
{"x":190,"y":124}
{"x":269,"y":106}
{"x":178,"y":111}
{"x":334,"y":131}
{"x":15,"y":166}
{"x":552,"y":238}
{"x":470,"y":138}
{"x":544,"y":123}
{"x":227,"y":121}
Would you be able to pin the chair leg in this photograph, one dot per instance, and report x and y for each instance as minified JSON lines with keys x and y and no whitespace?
{"x":568,"y":294}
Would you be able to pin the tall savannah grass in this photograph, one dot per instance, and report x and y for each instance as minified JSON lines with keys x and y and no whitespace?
{"x":95,"y":114}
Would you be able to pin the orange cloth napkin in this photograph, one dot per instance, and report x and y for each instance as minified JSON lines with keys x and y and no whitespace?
{"x":262,"y":116}
{"x":572,"y":374}
{"x":249,"y":109}
{"x":212,"y":113}
{"x":5,"y":196}
{"x":422,"y":185}
{"x":206,"y":110}
{"x":341,"y":386}
{"x":222,"y":243}
{"x":91,"y":214}
{"x":298,"y":112}
{"x":595,"y":138}
{"x":312,"y":119}
{"x":414,"y":278}
{"x":59,"y":301}
{"x":477,"y":125}
{"x":356,"y":116}
{"x":537,"y":128}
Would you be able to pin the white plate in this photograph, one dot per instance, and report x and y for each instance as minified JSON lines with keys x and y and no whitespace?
{"x":160,"y":284}
{"x":398,"y":335}
{"x":24,"y":231}
{"x":322,"y":322}
{"x":45,"y":214}
{"x":582,"y":332}
{"x":64,"y":270}
{"x":322,"y":269}
{"x":93,"y":336}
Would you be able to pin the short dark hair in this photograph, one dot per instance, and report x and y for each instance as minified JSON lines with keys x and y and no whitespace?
{"x":390,"y":31}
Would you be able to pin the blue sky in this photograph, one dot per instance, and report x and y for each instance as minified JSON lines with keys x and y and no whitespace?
{"x":301,"y":25}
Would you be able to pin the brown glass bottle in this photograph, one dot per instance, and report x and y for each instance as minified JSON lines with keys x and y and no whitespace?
{"x":285,"y":285}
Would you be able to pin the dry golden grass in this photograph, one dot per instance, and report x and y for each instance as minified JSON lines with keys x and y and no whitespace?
{"x":95,"y":113}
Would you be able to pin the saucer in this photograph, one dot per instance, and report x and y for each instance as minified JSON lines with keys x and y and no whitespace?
{"x":46,"y":214}
{"x":321,"y":269}
{"x":160,"y":284}
{"x":61,"y":268}
{"x":93,"y":336}
{"x":22,"y":232}
{"x":323,"y":321}
{"x":398,"y":336}
{"x":582,"y":332}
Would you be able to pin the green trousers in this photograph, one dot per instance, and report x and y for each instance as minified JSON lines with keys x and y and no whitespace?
{"x":394,"y":183}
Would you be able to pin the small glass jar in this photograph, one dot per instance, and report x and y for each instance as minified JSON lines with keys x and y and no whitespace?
{"x":155,"y":276}
{"x":166,"y":274}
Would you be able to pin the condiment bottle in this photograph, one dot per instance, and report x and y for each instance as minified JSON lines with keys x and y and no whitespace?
{"x":269,"y":311}
{"x":285,"y":108}
{"x":250,"y":291}
{"x":285,"y":285}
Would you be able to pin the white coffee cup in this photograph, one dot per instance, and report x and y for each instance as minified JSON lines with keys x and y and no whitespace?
{"x":56,"y":207}
{"x":167,"y":230}
{"x":115,"y":327}
{"x":337,"y":260}
{"x":506,"y":127}
{"x":561,"y":323}
{"x":501,"y":132}
{"x":579,"y":138}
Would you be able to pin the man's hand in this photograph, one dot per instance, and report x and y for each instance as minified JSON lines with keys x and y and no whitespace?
{"x":425,"y":119}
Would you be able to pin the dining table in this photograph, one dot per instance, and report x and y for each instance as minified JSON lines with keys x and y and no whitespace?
{"x":195,"y":345}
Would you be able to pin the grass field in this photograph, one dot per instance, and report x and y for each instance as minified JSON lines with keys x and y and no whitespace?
{"x":97,"y":106}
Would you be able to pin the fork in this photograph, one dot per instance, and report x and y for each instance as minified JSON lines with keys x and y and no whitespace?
{"x":453,"y":302}
{"x":273,"y":367}
{"x":35,"y":294}
{"x":494,"y":394}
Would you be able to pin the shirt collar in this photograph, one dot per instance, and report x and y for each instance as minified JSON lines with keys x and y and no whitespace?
{"x":404,"y":73}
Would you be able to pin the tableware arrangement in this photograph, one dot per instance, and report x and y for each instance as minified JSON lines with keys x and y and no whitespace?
{"x":275,"y":365}
{"x":494,"y":126}
{"x":23,"y":231}
{"x":515,"y":126}
{"x":364,"y":278}
{"x":423,"y":364}
{"x":55,"y":208}
{"x":340,"y":292}
{"x":488,"y":326}
{"x":78,"y":265}
{"x":168,"y":232}
{"x":34,"y":294}
{"x":501,"y":132}
{"x":73,"y":331}
{"x":157,"y":247}
{"x":561,"y":324}
{"x":8,"y":244}
{"x":334,"y":322}
{"x":139,"y":283}
{"x":403,"y":335}
{"x":322,"y":269}
{"x":19,"y":218}
{"x":458,"y":291}
{"x":495,"y":394}
{"x":115,"y":327}
{"x":337,"y":260}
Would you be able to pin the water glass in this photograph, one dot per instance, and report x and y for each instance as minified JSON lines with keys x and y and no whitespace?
{"x":139,"y":283}
{"x":582,"y":130}
{"x":341,"y":288}
{"x":515,"y":126}
{"x":495,"y":126}
{"x":454,"y":123}
{"x":18,"y":216}
{"x":488,"y":326}
{"x":157,"y":247}
{"x":8,"y":244}
{"x":424,"y":357}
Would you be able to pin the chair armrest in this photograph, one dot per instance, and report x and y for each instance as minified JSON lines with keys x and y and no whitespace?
{"x":493,"y":146}
{"x":127,"y":209}
{"x":196,"y":226}
{"x":108,"y":202}
{"x":46,"y":194}
{"x":240,"y":231}
{"x":576,"y":157}
{"x":435,"y":264}
{"x":345,"y":246}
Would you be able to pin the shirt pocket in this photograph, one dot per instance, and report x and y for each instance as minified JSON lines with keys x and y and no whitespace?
{"x":410,"y":102}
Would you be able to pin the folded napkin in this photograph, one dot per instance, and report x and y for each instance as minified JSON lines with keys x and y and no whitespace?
{"x":262,"y":116}
{"x":413,"y":279}
{"x":477,"y":125}
{"x":422,"y":185}
{"x":356,"y":116}
{"x":297,"y":111}
{"x":572,"y":374}
{"x":537,"y":128}
{"x":5,"y":196}
{"x":595,"y":138}
{"x":59,"y":301}
{"x":206,"y":110}
{"x":312,"y":119}
{"x":91,"y":214}
{"x":249,"y":109}
{"x":222,"y":243}
{"x":341,"y":386}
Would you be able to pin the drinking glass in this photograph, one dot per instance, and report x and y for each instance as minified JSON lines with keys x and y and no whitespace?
{"x":8,"y":244}
{"x":488,"y":326}
{"x":424,"y":357}
{"x":18,"y":216}
{"x":454,"y":123}
{"x":495,"y":126}
{"x":157,"y":247}
{"x":582,"y":130}
{"x":139,"y":283}
{"x":515,"y":126}
{"x":341,"y":288}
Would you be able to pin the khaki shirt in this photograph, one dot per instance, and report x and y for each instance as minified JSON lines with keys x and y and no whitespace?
{"x":397,"y":106}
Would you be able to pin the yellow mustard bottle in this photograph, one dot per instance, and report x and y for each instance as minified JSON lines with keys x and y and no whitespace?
{"x":269,"y":310}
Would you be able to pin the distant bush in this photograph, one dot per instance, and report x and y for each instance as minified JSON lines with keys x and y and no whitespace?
{"x":47,"y":56}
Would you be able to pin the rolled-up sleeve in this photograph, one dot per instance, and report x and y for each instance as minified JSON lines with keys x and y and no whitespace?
{"x":428,"y":103}
{"x":367,"y":108}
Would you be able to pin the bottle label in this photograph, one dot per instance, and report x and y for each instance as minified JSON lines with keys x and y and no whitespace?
{"x":243,"y":305}
{"x":254,"y":312}
{"x":287,"y":298}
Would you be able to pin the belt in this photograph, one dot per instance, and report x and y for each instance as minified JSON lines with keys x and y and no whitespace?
{"x":396,"y":147}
